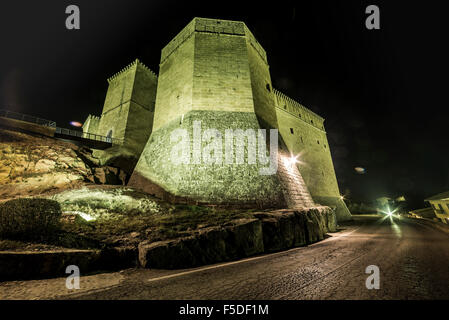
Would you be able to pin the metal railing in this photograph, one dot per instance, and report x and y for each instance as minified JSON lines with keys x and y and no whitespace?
{"x":48,"y":123}
{"x":27,"y":118}
{"x":87,"y":135}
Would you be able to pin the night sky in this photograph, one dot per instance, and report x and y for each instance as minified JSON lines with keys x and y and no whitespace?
{"x":382,"y":92}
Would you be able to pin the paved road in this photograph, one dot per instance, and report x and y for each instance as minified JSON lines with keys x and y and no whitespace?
{"x":413,"y":261}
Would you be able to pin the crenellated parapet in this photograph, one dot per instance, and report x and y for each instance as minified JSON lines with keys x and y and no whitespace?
{"x":91,"y":124}
{"x":253,"y":42}
{"x":217,"y":26}
{"x":132,"y":66}
{"x":297,"y":110}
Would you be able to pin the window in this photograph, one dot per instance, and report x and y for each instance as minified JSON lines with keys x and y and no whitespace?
{"x":300,"y":115}
{"x":268,"y":87}
{"x":318,"y":141}
{"x":311,"y":121}
{"x":325,"y":146}
{"x":285,"y":106}
{"x":291,"y":130}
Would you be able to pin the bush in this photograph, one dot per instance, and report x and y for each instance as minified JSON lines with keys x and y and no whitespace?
{"x":29,"y":219}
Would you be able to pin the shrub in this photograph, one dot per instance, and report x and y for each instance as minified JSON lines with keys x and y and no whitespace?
{"x":29,"y":219}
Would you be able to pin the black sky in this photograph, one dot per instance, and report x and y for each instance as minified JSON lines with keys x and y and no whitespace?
{"x":382,"y":92}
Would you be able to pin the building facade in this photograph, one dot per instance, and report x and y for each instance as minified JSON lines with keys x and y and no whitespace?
{"x":440,"y":205}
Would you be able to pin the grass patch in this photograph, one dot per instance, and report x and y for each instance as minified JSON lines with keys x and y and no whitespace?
{"x":121,"y":216}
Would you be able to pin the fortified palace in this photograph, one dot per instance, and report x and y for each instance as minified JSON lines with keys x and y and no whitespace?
{"x":215,"y":74}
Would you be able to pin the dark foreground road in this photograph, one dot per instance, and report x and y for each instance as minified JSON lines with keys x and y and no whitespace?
{"x":413,"y":260}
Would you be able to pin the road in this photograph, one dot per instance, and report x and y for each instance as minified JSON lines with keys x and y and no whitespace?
{"x":413,"y":261}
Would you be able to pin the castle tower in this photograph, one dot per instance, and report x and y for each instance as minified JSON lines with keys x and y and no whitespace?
{"x":127,"y":115}
{"x":303,"y":132}
{"x":214,"y":77}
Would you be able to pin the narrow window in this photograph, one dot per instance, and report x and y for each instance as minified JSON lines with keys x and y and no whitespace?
{"x":318,"y":141}
{"x":291,"y":130}
{"x":268,"y":87}
{"x":311,"y":121}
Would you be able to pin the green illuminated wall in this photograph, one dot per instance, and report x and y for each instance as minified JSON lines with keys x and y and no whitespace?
{"x":309,"y":139}
{"x":128,"y":113}
{"x":214,"y":71}
{"x":206,"y":74}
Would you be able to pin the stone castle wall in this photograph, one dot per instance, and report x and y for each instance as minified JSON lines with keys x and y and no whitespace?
{"x":91,"y":124}
{"x":217,"y":72}
{"x":128,"y":114}
{"x":303,"y":132}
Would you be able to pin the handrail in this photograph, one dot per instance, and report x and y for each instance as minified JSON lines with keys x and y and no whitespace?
{"x":87,"y":135}
{"x":24,"y":117}
{"x":48,"y":123}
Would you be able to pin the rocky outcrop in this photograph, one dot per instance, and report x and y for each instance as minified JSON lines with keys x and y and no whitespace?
{"x":268,"y":232}
{"x":284,"y":229}
{"x":32,"y":165}
{"x":242,"y":238}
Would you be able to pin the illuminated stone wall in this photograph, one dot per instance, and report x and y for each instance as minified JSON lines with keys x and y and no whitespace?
{"x":304,"y":134}
{"x":211,"y":72}
{"x":215,"y":71}
{"x":91,"y":124}
{"x":128,"y":114}
{"x":239,"y":184}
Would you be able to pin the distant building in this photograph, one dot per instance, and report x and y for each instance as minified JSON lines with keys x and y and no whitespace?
{"x":427,"y":213}
{"x":440,"y":205}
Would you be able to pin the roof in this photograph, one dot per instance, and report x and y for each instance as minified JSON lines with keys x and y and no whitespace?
{"x":440,"y":196}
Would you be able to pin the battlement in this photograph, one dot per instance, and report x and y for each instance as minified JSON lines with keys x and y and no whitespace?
{"x":93,"y":117}
{"x":91,"y":124}
{"x":296,"y":109}
{"x":130,"y":66}
{"x":253,"y":41}
{"x":217,"y":26}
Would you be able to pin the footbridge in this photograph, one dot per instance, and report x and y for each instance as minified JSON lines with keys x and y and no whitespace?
{"x":23,"y":122}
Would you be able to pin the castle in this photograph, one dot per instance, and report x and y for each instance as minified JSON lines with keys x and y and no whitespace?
{"x":216,"y":74}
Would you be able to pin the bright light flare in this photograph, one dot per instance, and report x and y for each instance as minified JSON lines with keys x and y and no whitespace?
{"x":83,"y":215}
{"x":360,"y":170}
{"x":291,"y":161}
{"x":388,"y":211}
{"x":76,"y":124}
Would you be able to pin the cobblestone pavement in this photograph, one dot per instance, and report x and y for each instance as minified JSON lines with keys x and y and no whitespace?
{"x":413,"y":260}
